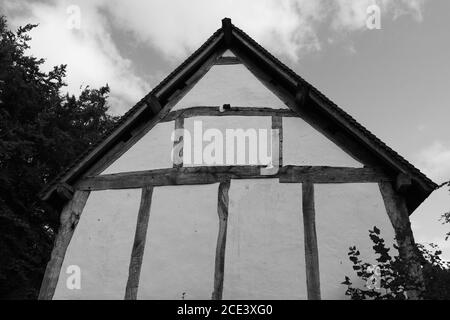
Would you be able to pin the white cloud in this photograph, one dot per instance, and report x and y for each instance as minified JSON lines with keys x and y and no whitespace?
{"x":434,"y":160}
{"x":89,"y":52}
{"x":288,"y":27}
{"x":177,"y":27}
{"x":352,"y":14}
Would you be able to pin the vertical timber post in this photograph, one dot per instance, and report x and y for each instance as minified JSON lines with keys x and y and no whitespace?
{"x":277,"y":124}
{"x":222,"y":210}
{"x":398,"y":214}
{"x":311,"y":250}
{"x":178,"y":143}
{"x":69,"y":218}
{"x":137,"y":253}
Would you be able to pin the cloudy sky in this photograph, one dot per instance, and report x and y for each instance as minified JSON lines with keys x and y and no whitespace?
{"x":395,"y":80}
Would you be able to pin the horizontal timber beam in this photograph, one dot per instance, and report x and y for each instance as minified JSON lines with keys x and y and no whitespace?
{"x":296,"y":174}
{"x":227,"y":61}
{"x":212,"y":174}
{"x":215,"y":111}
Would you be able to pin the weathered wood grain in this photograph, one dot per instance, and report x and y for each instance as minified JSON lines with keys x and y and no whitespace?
{"x":398,"y":214}
{"x":233,"y":111}
{"x":137,"y":253}
{"x":311,"y":249}
{"x":277,"y":124}
{"x":214,"y":174}
{"x":319,"y":174}
{"x":227,"y":61}
{"x":69,"y":218}
{"x":222,"y":210}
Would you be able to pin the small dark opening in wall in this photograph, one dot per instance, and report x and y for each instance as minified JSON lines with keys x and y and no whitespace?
{"x":226,"y":107}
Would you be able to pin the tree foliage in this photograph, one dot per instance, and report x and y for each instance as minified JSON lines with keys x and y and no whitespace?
{"x":41,"y":132}
{"x":388,"y":279}
{"x":445,"y":218}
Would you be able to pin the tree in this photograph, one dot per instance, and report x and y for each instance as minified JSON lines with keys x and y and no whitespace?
{"x":389,"y":280}
{"x":41,"y":132}
{"x":445,"y":218}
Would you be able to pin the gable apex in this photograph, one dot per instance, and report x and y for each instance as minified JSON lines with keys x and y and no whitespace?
{"x":299,"y":95}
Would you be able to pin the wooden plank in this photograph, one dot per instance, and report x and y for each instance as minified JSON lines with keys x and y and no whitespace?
{"x":227,"y":61}
{"x":214,"y":174}
{"x":311,"y":249}
{"x":319,"y":174}
{"x":233,"y":111}
{"x":222,"y":210}
{"x":139,"y":244}
{"x":171,"y":176}
{"x":69,"y":218}
{"x":277,"y":124}
{"x":178,"y":143}
{"x":398,"y":214}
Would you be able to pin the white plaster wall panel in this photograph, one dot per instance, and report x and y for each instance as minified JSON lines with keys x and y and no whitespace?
{"x":264,"y":257}
{"x":181,"y":242}
{"x":152,"y":151}
{"x":222,"y":124}
{"x":101,"y":246}
{"x":230,"y":84}
{"x":344,"y":215}
{"x":304,"y":145}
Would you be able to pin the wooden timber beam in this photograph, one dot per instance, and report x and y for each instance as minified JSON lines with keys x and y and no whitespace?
{"x":137,"y":253}
{"x":311,"y":248}
{"x":227,"y":61}
{"x":64,"y":191}
{"x":299,"y":174}
{"x":398,"y":214}
{"x":69,"y":218}
{"x":277,"y":124}
{"x":215,"y":174}
{"x":232,"y":111}
{"x":302,"y":96}
{"x":222,"y":210}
